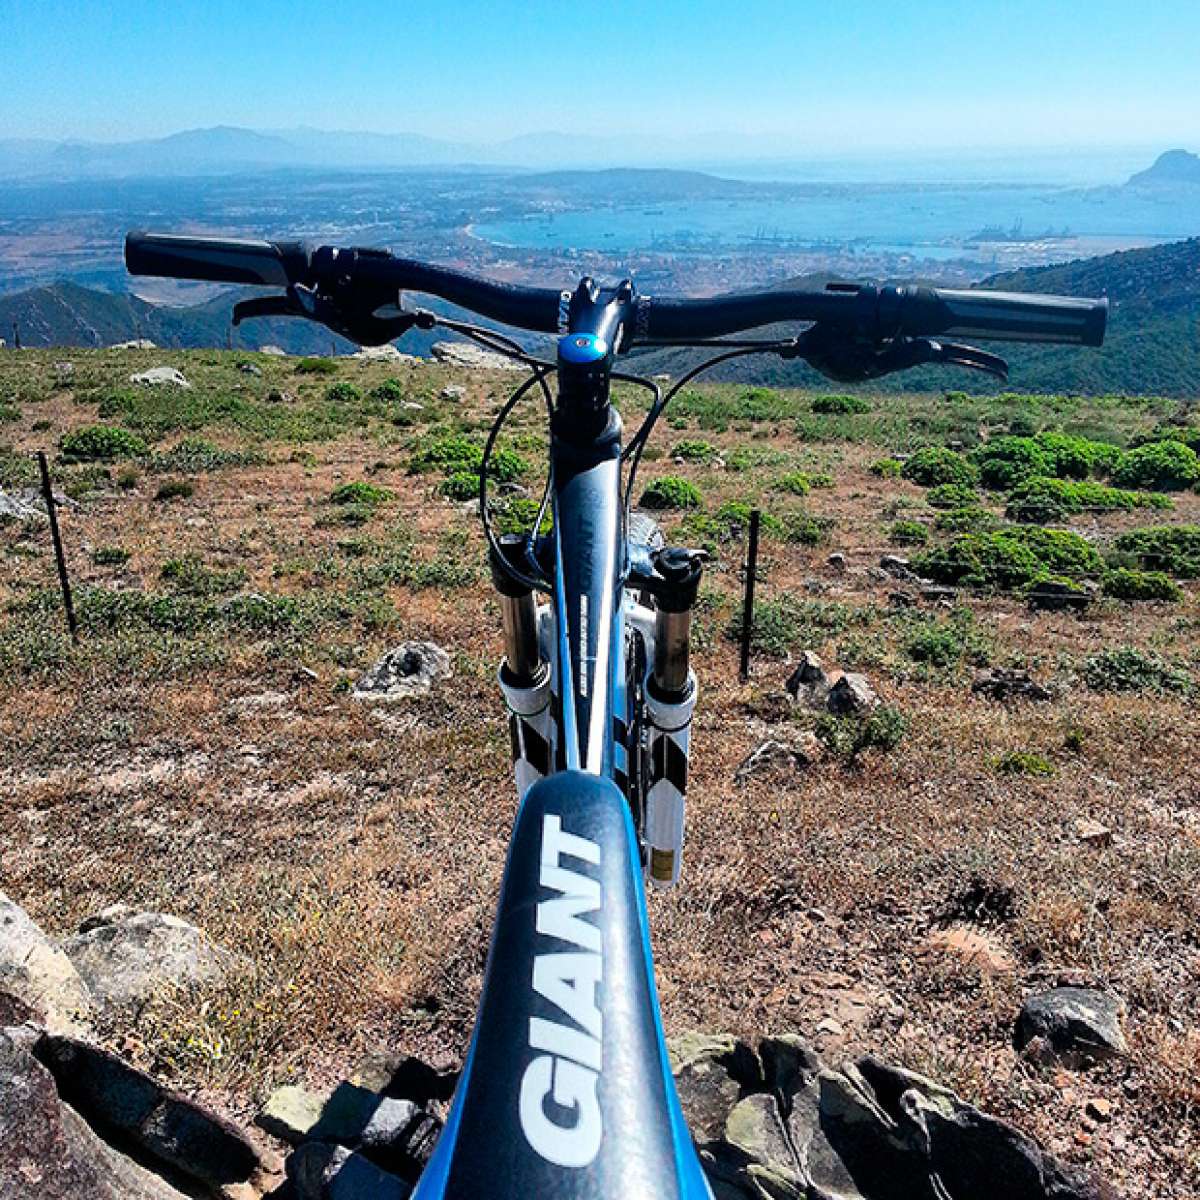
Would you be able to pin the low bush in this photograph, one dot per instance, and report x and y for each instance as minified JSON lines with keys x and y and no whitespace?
{"x":359,"y":492}
{"x":908,"y":533}
{"x":936,"y":465}
{"x":1009,"y":559}
{"x":506,"y":465}
{"x":1072,"y":457}
{"x":110,"y":556}
{"x":1042,"y":499}
{"x":840,"y":404}
{"x":971,"y":518}
{"x":390,"y":391}
{"x":451,"y":453}
{"x":343,"y":392}
{"x":1173,"y":549}
{"x":694,"y":450}
{"x":952,"y":495}
{"x":199,"y":454}
{"x":946,"y":643}
{"x":191,"y":576}
{"x":795,"y":482}
{"x":1023,"y":762}
{"x":175,"y":489}
{"x":1125,"y":584}
{"x":1161,"y":466}
{"x":670,"y":491}
{"x":1126,"y":669}
{"x":100,"y":443}
{"x":849,"y":737}
{"x":462,"y":485}
{"x":1004,"y":462}
{"x":316,"y":366}
{"x":887,"y":468}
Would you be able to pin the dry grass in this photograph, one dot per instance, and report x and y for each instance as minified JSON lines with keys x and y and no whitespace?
{"x":354,"y":854}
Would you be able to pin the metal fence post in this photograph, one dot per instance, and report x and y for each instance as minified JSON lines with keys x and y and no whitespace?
{"x":56,"y":537}
{"x":748,"y":601}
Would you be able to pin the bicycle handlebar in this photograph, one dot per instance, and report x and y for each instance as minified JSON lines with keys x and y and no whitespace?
{"x":874,"y":314}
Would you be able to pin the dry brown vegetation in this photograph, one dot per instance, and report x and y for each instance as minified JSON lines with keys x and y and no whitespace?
{"x":180,"y":759}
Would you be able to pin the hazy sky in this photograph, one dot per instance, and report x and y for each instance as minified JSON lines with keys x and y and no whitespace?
{"x":824,"y":76}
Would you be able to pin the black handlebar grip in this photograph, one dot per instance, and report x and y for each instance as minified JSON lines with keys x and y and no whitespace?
{"x":220,"y":260}
{"x":1013,"y":317}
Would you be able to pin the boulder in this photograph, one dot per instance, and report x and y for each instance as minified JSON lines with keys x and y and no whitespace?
{"x":126,"y":959}
{"x":48,"y":1151}
{"x":167,"y":1128}
{"x":472,"y":357}
{"x":249,"y":368}
{"x":836,"y":561}
{"x":975,"y":948}
{"x":807,"y":677}
{"x":1077,"y":1025}
{"x":452,"y":391}
{"x":411,"y":669}
{"x":324,"y":1171}
{"x":896,"y":567}
{"x":161,"y":377}
{"x":851,"y":695}
{"x":1054,"y":595}
{"x":274,"y":351}
{"x":798,"y":752}
{"x":757,"y":1147}
{"x":134,"y":344}
{"x":387,"y":353}
{"x":711,"y":1074}
{"x":38,"y":975}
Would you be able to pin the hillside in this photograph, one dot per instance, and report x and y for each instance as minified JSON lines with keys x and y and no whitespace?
{"x":1170,"y":169}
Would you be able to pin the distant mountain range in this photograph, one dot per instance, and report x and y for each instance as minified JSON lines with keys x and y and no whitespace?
{"x":1153,"y":343}
{"x":226,"y":148}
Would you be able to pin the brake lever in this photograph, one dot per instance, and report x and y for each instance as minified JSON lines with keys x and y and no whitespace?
{"x":847,"y":359}
{"x":360,"y":325}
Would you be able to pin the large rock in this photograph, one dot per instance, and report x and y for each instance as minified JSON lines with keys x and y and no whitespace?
{"x":1076,"y":1025}
{"x":161,"y":377}
{"x":324,"y":1171}
{"x":1008,"y":684}
{"x":771,"y":756}
{"x":134,"y":344}
{"x":476,"y":358}
{"x":711,"y":1074}
{"x":35,"y":972}
{"x":851,"y":695}
{"x":387,"y":353}
{"x":48,"y":1151}
{"x":129,"y":958}
{"x":167,"y":1127}
{"x":411,"y":669}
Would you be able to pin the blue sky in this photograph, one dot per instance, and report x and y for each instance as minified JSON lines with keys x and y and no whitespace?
{"x":829,"y":76}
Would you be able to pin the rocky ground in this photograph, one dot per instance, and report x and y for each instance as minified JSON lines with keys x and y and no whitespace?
{"x":1013,"y":812}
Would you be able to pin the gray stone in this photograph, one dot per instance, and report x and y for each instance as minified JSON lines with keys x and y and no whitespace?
{"x":808,"y":675}
{"x":411,"y":669}
{"x":1079,"y":1025}
{"x":1008,"y":684}
{"x":127,"y":960}
{"x":851,"y":695}
{"x":273,"y":350}
{"x":710,"y":1076}
{"x":406,"y":1077}
{"x":323,"y":1171}
{"x":801,"y":751}
{"x":134,"y":344}
{"x":387,"y":353}
{"x":167,"y":1127}
{"x":896,"y":567}
{"x":290,"y":1113}
{"x":37,"y":974}
{"x":161,"y":377}
{"x":837,"y":560}
{"x":452,"y":391}
{"x":49,"y":1152}
{"x":249,"y":368}
{"x":475,"y":358}
{"x":755,"y":1136}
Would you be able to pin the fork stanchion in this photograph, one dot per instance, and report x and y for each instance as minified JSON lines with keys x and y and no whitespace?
{"x":748,"y":601}
{"x":59,"y":557}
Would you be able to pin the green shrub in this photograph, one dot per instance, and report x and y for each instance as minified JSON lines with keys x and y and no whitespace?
{"x":952,"y":495}
{"x":971,"y":518}
{"x":944,"y":644}
{"x":1160,"y":466}
{"x":451,"y":453}
{"x":1127,"y":669}
{"x":175,"y":489}
{"x":343,"y":392}
{"x":936,"y":465}
{"x":839,"y":404}
{"x":191,"y":576}
{"x":100,"y":443}
{"x":1076,"y":457}
{"x":110,"y":556}
{"x":1174,"y":549}
{"x":908,"y":533}
{"x":694,"y":451}
{"x":795,"y":482}
{"x":1041,"y":499}
{"x":199,"y":454}
{"x":506,"y":465}
{"x":803,"y":529}
{"x":850,"y":736}
{"x":1124,"y":584}
{"x":1023,"y":762}
{"x":1009,"y":559}
{"x":359,"y":492}
{"x":1004,"y":462}
{"x":390,"y":391}
{"x":670,"y":491}
{"x":462,"y":485}
{"x":820,"y":479}
{"x":887,"y":468}
{"x":316,"y":366}
{"x":1189,"y":435}
{"x":516,"y":514}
